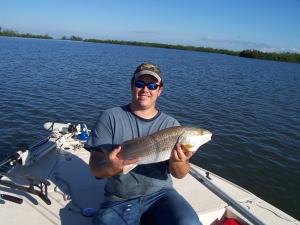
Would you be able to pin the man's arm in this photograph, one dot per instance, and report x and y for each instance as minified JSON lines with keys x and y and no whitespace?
{"x":179,"y":164}
{"x":103,"y":166}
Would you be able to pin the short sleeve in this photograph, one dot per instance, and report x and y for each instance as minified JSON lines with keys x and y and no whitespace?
{"x":101,"y":134}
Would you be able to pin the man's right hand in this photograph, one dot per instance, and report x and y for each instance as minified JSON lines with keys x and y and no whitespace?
{"x":103,"y":167}
{"x":116,"y":163}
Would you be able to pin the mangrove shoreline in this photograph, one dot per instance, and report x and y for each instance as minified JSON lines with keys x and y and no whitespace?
{"x":249,"y":53}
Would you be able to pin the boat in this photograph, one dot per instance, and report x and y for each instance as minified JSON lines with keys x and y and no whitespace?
{"x":49,"y":182}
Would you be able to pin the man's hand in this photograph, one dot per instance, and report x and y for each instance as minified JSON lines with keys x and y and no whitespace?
{"x":103,"y":166}
{"x":179,"y":162}
{"x":116,"y":163}
{"x":179,"y":155}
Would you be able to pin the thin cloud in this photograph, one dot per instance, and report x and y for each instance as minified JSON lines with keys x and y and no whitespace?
{"x":291,"y":50}
{"x":239,"y":45}
{"x":234,"y":44}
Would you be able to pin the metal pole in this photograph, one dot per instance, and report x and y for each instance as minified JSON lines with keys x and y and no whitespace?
{"x":221,"y":194}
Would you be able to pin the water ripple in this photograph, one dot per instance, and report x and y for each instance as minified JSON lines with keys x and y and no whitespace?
{"x":251,"y":106}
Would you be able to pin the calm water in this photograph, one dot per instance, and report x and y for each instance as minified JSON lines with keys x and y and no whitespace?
{"x":251,"y":106}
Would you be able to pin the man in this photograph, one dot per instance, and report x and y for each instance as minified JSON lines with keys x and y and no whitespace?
{"x":145,"y":195}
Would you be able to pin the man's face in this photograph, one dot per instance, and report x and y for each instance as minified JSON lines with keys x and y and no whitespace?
{"x":143,"y":97}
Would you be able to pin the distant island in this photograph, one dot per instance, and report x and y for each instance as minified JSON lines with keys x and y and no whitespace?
{"x":249,"y":53}
{"x":12,"y":33}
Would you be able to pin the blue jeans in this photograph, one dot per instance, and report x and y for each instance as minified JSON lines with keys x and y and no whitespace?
{"x":165,"y":207}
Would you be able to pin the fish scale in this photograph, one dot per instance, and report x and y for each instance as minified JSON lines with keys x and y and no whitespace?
{"x":158,"y":146}
{"x":148,"y":149}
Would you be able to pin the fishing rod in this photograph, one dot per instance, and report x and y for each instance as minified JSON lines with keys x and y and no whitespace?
{"x":11,"y":198}
{"x":206,"y":181}
{"x":29,"y":155}
{"x":14,"y":158}
{"x":36,"y":186}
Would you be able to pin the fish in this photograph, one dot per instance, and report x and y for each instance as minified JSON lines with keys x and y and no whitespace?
{"x":158,"y":146}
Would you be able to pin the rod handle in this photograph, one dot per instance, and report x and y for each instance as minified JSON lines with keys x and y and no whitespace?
{"x":11,"y":198}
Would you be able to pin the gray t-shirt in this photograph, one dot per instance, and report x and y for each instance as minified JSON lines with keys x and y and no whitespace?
{"x":117,"y":125}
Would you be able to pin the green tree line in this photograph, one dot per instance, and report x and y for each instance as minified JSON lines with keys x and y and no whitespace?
{"x":249,"y":53}
{"x":12,"y":33}
{"x":72,"y":38}
{"x":159,"y":45}
{"x":285,"y":56}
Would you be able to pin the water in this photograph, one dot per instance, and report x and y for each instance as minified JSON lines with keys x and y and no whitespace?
{"x":251,"y":106}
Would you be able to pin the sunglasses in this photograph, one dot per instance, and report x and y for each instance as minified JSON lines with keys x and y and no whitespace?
{"x":141,"y":84}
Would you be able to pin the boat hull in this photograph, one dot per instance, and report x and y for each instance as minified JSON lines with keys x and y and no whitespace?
{"x":73,"y":191}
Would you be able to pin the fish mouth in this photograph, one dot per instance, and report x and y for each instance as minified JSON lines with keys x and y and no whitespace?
{"x":207,"y":135}
{"x":206,"y":140}
{"x":194,"y":147}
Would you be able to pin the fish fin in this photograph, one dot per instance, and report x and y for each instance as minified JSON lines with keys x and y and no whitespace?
{"x":188,"y":147}
{"x":128,"y":168}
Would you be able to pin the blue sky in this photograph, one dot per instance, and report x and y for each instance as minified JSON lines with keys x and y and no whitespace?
{"x":267,"y":25}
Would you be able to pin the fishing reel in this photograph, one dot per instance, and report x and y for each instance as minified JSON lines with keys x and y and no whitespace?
{"x":80,"y":131}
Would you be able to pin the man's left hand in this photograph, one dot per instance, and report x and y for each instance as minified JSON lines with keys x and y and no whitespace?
{"x":179,"y":155}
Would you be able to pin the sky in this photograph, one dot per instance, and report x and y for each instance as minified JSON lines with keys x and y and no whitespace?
{"x":266,"y":25}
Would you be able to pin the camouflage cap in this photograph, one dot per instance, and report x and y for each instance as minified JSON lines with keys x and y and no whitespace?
{"x":149,"y":69}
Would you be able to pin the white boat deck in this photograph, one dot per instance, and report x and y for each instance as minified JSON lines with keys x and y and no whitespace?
{"x":74,"y":188}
